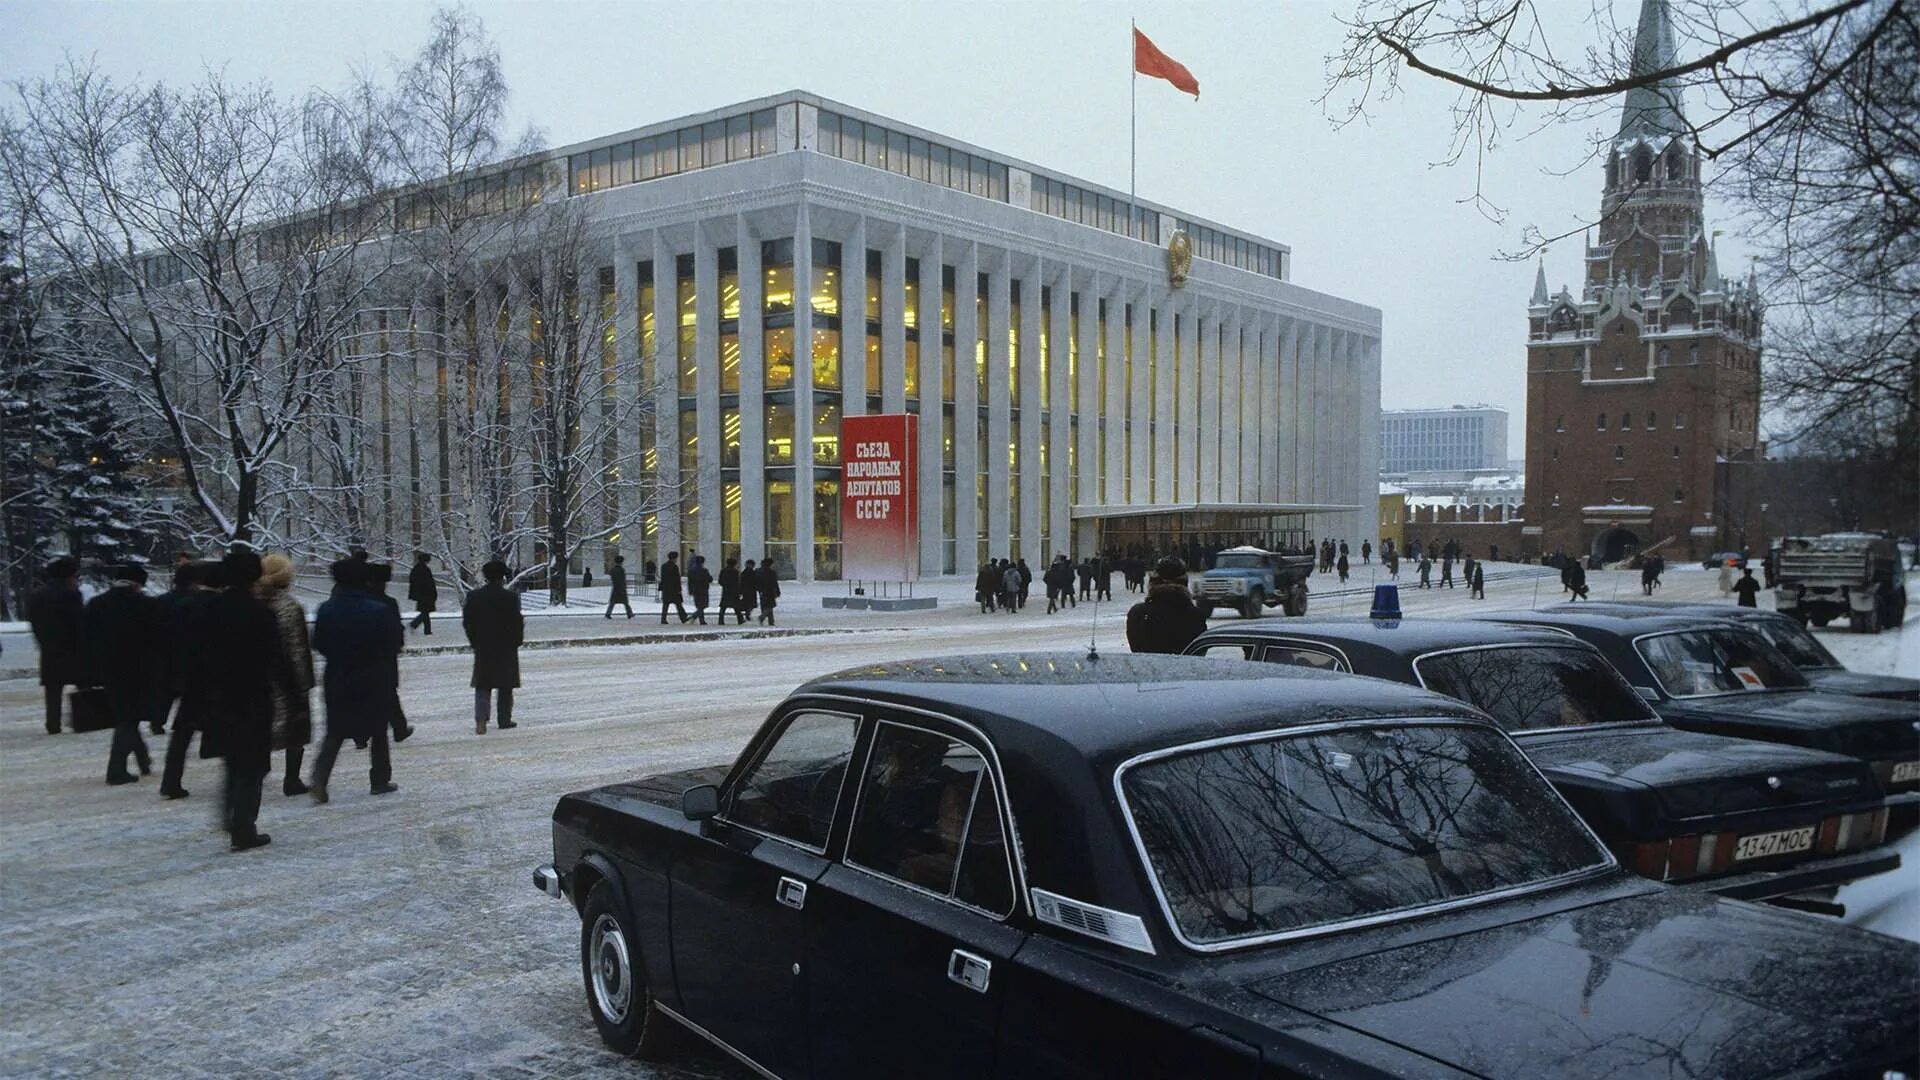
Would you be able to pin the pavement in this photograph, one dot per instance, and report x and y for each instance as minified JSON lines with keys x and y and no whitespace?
{"x":399,"y":935}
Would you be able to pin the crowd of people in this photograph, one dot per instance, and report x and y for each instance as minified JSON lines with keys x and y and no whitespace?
{"x":226,"y":654}
{"x":1003,"y":585}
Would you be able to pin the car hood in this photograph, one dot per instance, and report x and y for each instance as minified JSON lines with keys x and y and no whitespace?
{"x":1861,"y":684}
{"x":1668,"y":983}
{"x":1695,"y":774}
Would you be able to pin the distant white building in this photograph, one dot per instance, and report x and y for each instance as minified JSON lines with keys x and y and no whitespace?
{"x":1460,"y":437}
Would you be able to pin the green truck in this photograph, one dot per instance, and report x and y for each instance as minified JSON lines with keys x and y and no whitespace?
{"x":1249,"y":579}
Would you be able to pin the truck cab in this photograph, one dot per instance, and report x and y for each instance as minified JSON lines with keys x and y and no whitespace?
{"x":1248,"y":579}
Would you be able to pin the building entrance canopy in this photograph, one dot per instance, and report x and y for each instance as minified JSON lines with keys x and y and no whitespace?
{"x":1195,"y":531}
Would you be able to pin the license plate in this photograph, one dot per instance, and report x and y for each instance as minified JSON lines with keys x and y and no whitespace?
{"x":1905,"y":771}
{"x":1762,"y":845}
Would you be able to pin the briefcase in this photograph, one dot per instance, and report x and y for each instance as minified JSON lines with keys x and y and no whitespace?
{"x":90,"y":710}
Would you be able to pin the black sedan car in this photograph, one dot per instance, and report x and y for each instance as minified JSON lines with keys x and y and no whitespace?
{"x":1152,"y":866}
{"x":1784,"y":632}
{"x":1710,"y":674}
{"x":1744,"y":818}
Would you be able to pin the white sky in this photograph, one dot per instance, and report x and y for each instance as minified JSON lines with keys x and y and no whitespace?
{"x":1366,"y":213}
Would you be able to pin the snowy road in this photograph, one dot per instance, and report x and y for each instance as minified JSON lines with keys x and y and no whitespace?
{"x":399,"y":936}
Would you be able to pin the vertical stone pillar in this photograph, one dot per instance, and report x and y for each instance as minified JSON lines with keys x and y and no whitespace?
{"x":932,"y":523}
{"x":666,"y":397}
{"x":753,"y":384}
{"x":1117,"y":294}
{"x":893,"y":322}
{"x":967,"y":465}
{"x":1231,"y":363}
{"x":706,"y":351}
{"x":999,"y":433}
{"x":1140,"y":398}
{"x":853,"y":321}
{"x":1087,"y":454}
{"x":1062,"y":407}
{"x":1164,"y":420}
{"x":1030,"y":433}
{"x":1208,"y":427}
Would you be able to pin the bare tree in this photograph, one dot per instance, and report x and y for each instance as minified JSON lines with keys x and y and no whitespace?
{"x":214,"y":242}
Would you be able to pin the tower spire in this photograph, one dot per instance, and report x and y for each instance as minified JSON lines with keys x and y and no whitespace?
{"x":1653,"y":110}
{"x":1540,"y":283}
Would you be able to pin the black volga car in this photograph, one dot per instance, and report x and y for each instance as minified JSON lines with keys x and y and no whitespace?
{"x":1710,"y":674}
{"x":1744,"y":818}
{"x":1152,"y":866}
{"x":1784,"y":632}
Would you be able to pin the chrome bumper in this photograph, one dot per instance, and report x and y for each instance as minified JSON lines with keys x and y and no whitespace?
{"x":1825,"y":873}
{"x":547,"y":880}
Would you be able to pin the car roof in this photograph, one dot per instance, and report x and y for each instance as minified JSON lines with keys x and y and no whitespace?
{"x":1695,"y":609}
{"x":1404,"y":637}
{"x":1622,"y":620}
{"x":1114,"y":706}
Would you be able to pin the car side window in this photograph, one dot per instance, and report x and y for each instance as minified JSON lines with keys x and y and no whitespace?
{"x":1299,"y":656}
{"x":1225,"y":651}
{"x":929,"y":816}
{"x":793,"y":789}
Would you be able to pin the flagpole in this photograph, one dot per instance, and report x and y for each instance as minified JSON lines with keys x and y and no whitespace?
{"x":1133,"y":128}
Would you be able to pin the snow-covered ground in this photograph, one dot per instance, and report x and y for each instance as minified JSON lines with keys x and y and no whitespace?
{"x":399,"y":935}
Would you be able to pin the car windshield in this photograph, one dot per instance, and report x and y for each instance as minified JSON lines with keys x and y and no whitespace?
{"x":1228,"y":560}
{"x":1531,"y":687}
{"x":1292,"y":833}
{"x":1796,"y":641}
{"x":1696,"y":663}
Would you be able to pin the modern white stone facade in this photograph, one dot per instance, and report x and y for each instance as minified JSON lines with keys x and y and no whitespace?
{"x":1071,"y":385}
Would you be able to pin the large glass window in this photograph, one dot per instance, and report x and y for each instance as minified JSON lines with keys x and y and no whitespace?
{"x":776,"y":264}
{"x":713,"y":139}
{"x":827,"y":140}
{"x":689,"y":363}
{"x":1700,"y":662}
{"x":1527,"y":688}
{"x":1013,"y":343}
{"x":729,"y":268}
{"x":826,"y":296}
{"x":870,"y":322}
{"x":826,"y":433}
{"x":1290,"y":833}
{"x":930,"y":817}
{"x":826,"y":528}
{"x":780,"y":433}
{"x":910,"y":310}
{"x":946,"y":337}
{"x":763,"y":133}
{"x":689,"y":149}
{"x":793,"y":790}
{"x":739,"y":138}
{"x":896,"y":151}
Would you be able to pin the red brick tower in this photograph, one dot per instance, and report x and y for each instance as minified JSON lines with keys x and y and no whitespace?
{"x":1640,"y":385}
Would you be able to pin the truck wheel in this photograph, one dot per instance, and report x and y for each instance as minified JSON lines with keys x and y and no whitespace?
{"x":618,"y":994}
{"x":1251,"y":609}
{"x":1821,"y":620}
{"x":1898,"y":616}
{"x":1295,"y":606}
{"x":1864,"y":622}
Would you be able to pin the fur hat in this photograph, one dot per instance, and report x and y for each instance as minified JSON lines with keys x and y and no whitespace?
{"x":276,"y":571}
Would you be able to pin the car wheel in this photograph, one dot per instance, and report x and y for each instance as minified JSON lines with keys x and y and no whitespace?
{"x":618,"y":993}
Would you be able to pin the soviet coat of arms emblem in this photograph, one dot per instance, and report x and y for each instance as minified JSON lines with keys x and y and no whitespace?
{"x":1179,"y":258}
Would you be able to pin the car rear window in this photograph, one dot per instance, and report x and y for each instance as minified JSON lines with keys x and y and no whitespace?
{"x":1535,"y":687}
{"x":1696,"y":663}
{"x":1297,"y":833}
{"x":1794,"y":640}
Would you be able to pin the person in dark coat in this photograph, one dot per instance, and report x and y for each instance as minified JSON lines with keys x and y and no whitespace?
{"x":1426,"y":572}
{"x":729,"y":588}
{"x":360,"y":635}
{"x":1167,"y":620}
{"x":1646,"y":575}
{"x":670,"y":588}
{"x":986,"y":586}
{"x":1747,"y":589}
{"x":191,"y":668}
{"x":378,"y":575}
{"x":292,"y":709}
{"x":1366,"y":552}
{"x":700,"y":587}
{"x":1478,"y":581}
{"x":55,"y":613}
{"x":1086,"y":578}
{"x":423,"y":591}
{"x":1026,"y":581}
{"x":244,"y":638}
{"x":495,"y":628}
{"x":769,"y":589}
{"x":1342,"y":565}
{"x":618,"y":575}
{"x":749,"y":595}
{"x":1576,"y":579}
{"x":122,"y":630}
{"x":1103,"y":578}
{"x":1446,"y":571}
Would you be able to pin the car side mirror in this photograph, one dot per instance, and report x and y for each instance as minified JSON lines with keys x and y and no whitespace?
{"x":700,"y":802}
{"x":1648,"y":692}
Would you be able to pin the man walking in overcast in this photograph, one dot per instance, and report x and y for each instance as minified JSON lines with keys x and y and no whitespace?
{"x":122,"y":632}
{"x":359,"y":633}
{"x":54,"y":612}
{"x":670,"y":588}
{"x":618,"y":575}
{"x":245,"y":638}
{"x":1167,"y":620}
{"x":424,"y":592}
{"x":495,"y":628}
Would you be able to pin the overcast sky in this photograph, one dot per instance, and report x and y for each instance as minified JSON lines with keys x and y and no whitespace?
{"x":1367,"y":212}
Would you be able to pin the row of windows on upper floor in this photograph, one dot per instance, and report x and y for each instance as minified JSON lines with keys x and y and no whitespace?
{"x":1626,"y":421}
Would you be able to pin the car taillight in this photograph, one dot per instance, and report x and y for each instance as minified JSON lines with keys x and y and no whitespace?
{"x":1682,"y":858}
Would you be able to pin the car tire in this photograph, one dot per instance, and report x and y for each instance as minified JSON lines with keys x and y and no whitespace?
{"x":618,"y":993}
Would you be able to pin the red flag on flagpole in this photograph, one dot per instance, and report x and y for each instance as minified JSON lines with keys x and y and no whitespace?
{"x":1149,"y":60}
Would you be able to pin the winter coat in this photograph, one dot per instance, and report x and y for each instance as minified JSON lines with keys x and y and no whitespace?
{"x":122,"y":633}
{"x":985,"y":583}
{"x":670,"y":582}
{"x":699,"y":583}
{"x":292,"y":705}
{"x":240,"y":631}
{"x":1010,"y":579}
{"x":495,"y":628}
{"x":1165,"y":622}
{"x":749,"y":587}
{"x":421,"y":588}
{"x":768,"y":587}
{"x":729,"y":587}
{"x":182,"y":612}
{"x":619,"y":576}
{"x":360,"y":635}
{"x":55,"y":613}
{"x":1747,"y":589}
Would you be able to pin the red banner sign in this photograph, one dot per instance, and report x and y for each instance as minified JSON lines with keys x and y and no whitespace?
{"x":879,"y":521}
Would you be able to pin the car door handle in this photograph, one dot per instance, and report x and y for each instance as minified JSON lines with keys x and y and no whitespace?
{"x":970,"y":971}
{"x":791,"y":893}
